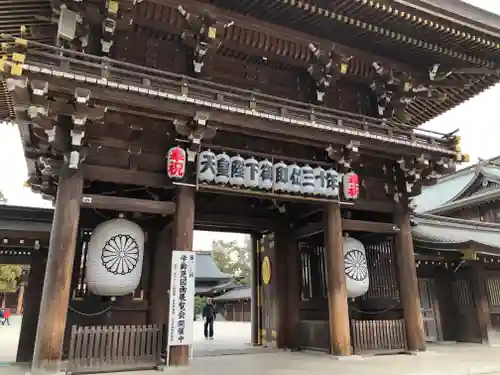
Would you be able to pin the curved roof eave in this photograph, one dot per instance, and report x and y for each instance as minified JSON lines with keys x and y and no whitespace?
{"x":435,"y":189}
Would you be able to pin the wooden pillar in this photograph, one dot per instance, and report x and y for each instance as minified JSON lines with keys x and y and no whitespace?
{"x":20,"y":299}
{"x":183,"y":240}
{"x":340,"y":339}
{"x":408,"y":282}
{"x":288,"y":286}
{"x":480,"y":296}
{"x":32,"y":306}
{"x":160,"y":279}
{"x":255,"y":282}
{"x":57,"y":282}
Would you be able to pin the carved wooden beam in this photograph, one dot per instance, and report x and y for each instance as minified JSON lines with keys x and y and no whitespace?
{"x":230,"y":121}
{"x":252,"y":36}
{"x":105,"y":202}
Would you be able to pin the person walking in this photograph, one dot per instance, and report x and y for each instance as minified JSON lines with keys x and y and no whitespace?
{"x":6,"y":316}
{"x":208,"y":313}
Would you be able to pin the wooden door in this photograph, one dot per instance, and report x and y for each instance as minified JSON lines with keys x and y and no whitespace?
{"x":428,"y":309}
{"x":268,"y":289}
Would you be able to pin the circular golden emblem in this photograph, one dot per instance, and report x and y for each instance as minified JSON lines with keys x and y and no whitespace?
{"x":266,"y":270}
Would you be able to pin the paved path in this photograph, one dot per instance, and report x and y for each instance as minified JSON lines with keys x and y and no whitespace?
{"x":231,"y":338}
{"x":9,"y":337}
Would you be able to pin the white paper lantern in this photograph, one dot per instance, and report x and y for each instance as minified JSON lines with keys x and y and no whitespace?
{"x":307,"y":180}
{"x":237,"y":177}
{"x":280,"y":175}
{"x":319,"y":181}
{"x":223,"y":168}
{"x":251,"y":173}
{"x":332,"y":183}
{"x":265,"y":175}
{"x":114,"y":258}
{"x":207,"y":166}
{"x":294,"y":185}
{"x":356,"y":268}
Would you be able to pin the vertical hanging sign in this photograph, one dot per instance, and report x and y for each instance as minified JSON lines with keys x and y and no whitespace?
{"x":181,"y":312}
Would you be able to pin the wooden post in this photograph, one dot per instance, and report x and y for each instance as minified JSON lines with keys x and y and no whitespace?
{"x":280,"y":278}
{"x":408,"y":282}
{"x":480,"y":296}
{"x":183,"y":240}
{"x":288,"y":286}
{"x":254,"y":307}
{"x":160,"y":279}
{"x":56,"y":286}
{"x":292,"y":290}
{"x":32,"y":306}
{"x":340,"y":339}
{"x":20,"y":299}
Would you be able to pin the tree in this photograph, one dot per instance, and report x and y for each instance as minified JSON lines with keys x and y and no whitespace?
{"x":2,"y":198}
{"x":233,"y":259}
{"x":9,"y":274}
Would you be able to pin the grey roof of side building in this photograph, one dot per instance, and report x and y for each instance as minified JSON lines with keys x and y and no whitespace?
{"x":444,"y":233}
{"x":236,"y":294}
{"x":447,"y":193}
{"x":206,"y":269}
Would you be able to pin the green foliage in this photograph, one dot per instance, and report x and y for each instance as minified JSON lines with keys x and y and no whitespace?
{"x":9,"y":274}
{"x":2,"y":198}
{"x":233,"y":259}
{"x":199,"y":302}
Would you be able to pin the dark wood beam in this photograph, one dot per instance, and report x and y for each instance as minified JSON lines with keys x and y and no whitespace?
{"x":349,"y":225}
{"x":369,"y":226}
{"x":225,"y":229}
{"x":105,"y":202}
{"x":232,"y":221}
{"x":309,"y":230}
{"x":19,"y":259}
{"x":126,"y":176}
{"x":225,"y":120}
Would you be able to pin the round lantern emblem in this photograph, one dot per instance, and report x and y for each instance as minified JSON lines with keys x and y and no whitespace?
{"x":266,"y":270}
{"x":120,"y":254}
{"x":355,"y":265}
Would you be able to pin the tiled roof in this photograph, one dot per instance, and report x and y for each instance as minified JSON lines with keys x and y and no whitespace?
{"x":451,"y":233}
{"x":206,"y":269}
{"x":449,"y":190}
{"x":239,"y":293}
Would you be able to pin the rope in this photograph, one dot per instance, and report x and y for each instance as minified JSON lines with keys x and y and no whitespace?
{"x":90,"y":314}
{"x":374,"y":312}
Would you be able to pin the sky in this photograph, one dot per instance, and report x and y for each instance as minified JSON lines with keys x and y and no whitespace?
{"x":477,"y":120}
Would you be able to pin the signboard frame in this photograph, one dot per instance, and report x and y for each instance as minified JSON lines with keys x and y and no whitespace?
{"x":180,"y":329}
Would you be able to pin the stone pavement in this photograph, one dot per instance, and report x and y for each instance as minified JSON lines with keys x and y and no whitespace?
{"x":9,"y":337}
{"x":213,"y":358}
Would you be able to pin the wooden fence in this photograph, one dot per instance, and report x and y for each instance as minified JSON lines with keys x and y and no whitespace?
{"x":378,"y":336}
{"x":114,"y":348}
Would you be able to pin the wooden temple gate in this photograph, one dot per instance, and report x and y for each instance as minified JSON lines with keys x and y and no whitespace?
{"x":154,"y":135}
{"x":376,"y":319}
